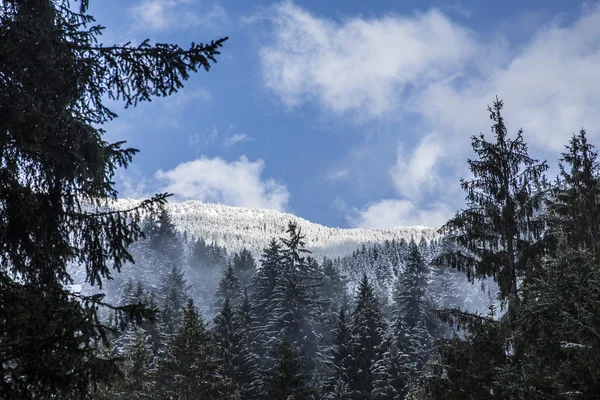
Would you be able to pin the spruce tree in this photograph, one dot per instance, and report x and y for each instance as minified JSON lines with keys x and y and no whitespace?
{"x":413,"y":310}
{"x":561,"y":306}
{"x":340,"y":360}
{"x":390,"y":372}
{"x":498,"y":235}
{"x":244,"y":267}
{"x":287,"y":379}
{"x":573,"y":207}
{"x":136,"y":382}
{"x":293,"y":310}
{"x":163,"y":239}
{"x":249,"y":343}
{"x":229,"y":287}
{"x":174,"y":298}
{"x":368,"y":329}
{"x":499,"y":231}
{"x":233,"y":354}
{"x":57,"y":186}
{"x":265,"y":279}
{"x":189,"y":368}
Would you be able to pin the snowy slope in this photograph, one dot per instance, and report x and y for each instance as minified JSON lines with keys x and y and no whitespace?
{"x":236,"y":228}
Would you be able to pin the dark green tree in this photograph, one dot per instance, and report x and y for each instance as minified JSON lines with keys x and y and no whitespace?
{"x":189,"y":368}
{"x":174,"y":298}
{"x":265,"y":279}
{"x":390,"y":372}
{"x":163,"y":239}
{"x":498,"y":235}
{"x":244,"y":266}
{"x":136,"y":381}
{"x":561,"y":307}
{"x":412,"y":312}
{"x":573,"y":206}
{"x":229,"y":287}
{"x":57,"y":184}
{"x":293,"y":308}
{"x":499,"y":231}
{"x":233,"y":352}
{"x":340,"y":360}
{"x":368,"y":329}
{"x":286,"y":380}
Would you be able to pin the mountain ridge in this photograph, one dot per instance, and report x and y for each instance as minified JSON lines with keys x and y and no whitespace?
{"x":236,"y":228}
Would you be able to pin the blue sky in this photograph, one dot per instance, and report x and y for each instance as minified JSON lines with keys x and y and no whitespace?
{"x":352,"y":113}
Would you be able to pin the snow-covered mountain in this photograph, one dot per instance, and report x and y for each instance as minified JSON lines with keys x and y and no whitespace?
{"x":236,"y":228}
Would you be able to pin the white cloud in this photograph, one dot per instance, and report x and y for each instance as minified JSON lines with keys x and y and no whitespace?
{"x":160,"y":15}
{"x":337,"y":175}
{"x":235,"y":139}
{"x":551,"y":87}
{"x":237,"y":183}
{"x":359,"y":65}
{"x":428,"y":66}
{"x":414,"y":173}
{"x":392,"y":213}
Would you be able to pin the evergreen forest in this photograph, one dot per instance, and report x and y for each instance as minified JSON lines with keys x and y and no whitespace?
{"x":168,"y":316}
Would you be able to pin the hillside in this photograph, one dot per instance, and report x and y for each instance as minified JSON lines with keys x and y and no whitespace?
{"x":236,"y":228}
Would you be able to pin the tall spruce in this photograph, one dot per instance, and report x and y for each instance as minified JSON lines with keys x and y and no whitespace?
{"x":136,"y":382}
{"x":499,"y":231}
{"x":56,"y":181}
{"x":233,"y":354}
{"x":341,"y":359}
{"x":293,"y":306}
{"x":244,"y":266}
{"x":229,"y":287}
{"x":287,"y":379}
{"x":561,"y":307}
{"x":163,"y":239}
{"x":174,"y":292}
{"x":573,"y":206}
{"x":265,"y":279}
{"x":498,"y":235}
{"x":390,"y":372}
{"x":412,"y":314}
{"x":189,"y":368}
{"x":368,"y":329}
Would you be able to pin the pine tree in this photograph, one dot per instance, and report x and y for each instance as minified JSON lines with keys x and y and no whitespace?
{"x":411,"y":290}
{"x":249,"y":343}
{"x":248,"y":323}
{"x":500,"y":230}
{"x":57,"y":185}
{"x":174,"y":292}
{"x":136,"y":383}
{"x":286,"y":380}
{"x":340,"y":359}
{"x":574,"y":203}
{"x":189,"y":367}
{"x":561,"y":307}
{"x":265,"y":279}
{"x":412,"y":310}
{"x":163,"y":239}
{"x":334,"y":293}
{"x":499,"y":236}
{"x":390,"y":372}
{"x":229,"y":287}
{"x":293,"y":309}
{"x":368,"y":328}
{"x":244,"y":267}
{"x":235,"y":358}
